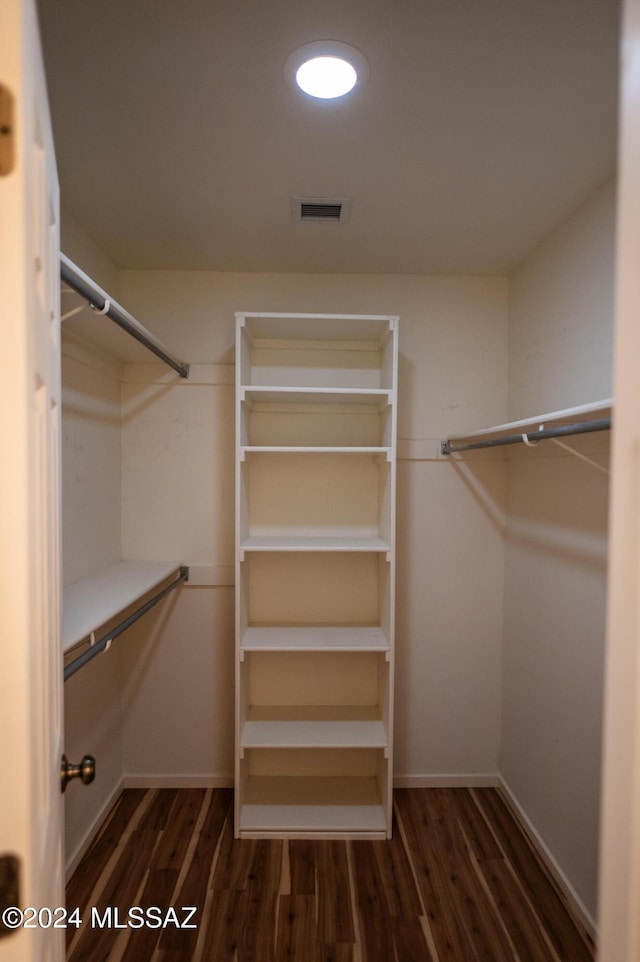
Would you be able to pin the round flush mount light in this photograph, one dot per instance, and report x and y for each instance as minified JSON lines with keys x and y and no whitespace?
{"x":326,"y":69}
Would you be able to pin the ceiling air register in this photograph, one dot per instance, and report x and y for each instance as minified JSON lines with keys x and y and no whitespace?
{"x":328,"y":210}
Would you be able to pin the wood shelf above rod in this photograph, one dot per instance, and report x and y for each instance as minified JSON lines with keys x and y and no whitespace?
{"x":92,"y":602}
{"x":89,"y":603}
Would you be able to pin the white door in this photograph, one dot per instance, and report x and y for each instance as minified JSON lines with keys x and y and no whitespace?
{"x":30,"y":659}
{"x":620,"y":848}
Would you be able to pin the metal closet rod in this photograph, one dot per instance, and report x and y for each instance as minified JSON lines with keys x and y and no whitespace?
{"x":103,"y":643}
{"x":561,"y":430}
{"x":82,"y":284}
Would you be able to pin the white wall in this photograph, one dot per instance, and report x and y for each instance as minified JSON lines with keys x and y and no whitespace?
{"x":561,"y":316}
{"x":91,"y":483}
{"x":178,"y":451}
{"x":91,"y":461}
{"x":87,"y":255}
{"x":561,"y":321}
{"x":448,"y":619}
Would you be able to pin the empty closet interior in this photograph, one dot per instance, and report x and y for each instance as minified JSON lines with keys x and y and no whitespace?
{"x":500,"y":553}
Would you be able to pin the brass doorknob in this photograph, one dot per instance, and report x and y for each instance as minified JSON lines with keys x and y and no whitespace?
{"x":86,"y":771}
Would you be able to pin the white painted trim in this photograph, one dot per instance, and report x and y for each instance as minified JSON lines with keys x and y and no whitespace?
{"x":562,"y":882}
{"x":89,"y":835}
{"x":619,"y":893}
{"x":210,"y":576}
{"x":480,"y":780}
{"x":178,"y":781}
{"x":343,"y":317}
{"x":420,"y":449}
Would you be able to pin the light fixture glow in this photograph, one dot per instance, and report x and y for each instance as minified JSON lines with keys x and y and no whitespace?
{"x":326,"y":77}
{"x":326,"y":69}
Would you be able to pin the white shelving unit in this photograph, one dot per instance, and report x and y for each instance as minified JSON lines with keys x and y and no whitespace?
{"x":315,"y":574}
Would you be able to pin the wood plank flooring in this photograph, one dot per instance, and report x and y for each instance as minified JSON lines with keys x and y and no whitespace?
{"x":458,"y":882}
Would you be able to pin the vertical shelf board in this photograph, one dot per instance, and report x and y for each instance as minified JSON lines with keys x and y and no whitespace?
{"x":316,"y":436}
{"x":387,"y":593}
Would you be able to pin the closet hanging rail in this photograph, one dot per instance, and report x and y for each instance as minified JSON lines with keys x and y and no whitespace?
{"x":103,"y":643}
{"x":452,"y":445}
{"x":82,"y":284}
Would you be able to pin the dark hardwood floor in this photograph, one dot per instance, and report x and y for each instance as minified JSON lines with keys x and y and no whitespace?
{"x":459,"y":882}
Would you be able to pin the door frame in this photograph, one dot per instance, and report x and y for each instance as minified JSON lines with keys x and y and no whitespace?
{"x":31,"y":814}
{"x":619,"y":909}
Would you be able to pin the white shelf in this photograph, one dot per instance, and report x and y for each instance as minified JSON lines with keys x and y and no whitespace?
{"x":318,"y":805}
{"x":314,"y":726}
{"x":316,"y":638}
{"x":313,"y":543}
{"x":308,"y":449}
{"x":252,"y":394}
{"x":322,"y":327}
{"x":582,"y":412}
{"x":91,"y":602}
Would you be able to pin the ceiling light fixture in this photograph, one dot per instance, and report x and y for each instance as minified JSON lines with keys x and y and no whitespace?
{"x":326,"y":69}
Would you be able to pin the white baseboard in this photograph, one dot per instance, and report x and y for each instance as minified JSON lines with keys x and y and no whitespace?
{"x":577,"y":906}
{"x":178,"y":781}
{"x":489,"y":780}
{"x":95,"y":825}
{"x":447,"y":781}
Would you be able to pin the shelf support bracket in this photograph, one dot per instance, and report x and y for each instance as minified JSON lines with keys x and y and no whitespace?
{"x":582,"y":457}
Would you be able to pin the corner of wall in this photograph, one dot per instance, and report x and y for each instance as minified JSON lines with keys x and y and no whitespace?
{"x":561,"y":313}
{"x":76,"y":243}
{"x":560,"y":355}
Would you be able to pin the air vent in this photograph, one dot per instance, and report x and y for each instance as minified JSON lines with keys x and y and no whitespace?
{"x":327,"y":210}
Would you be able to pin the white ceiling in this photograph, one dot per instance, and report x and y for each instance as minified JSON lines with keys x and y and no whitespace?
{"x":180,"y":143}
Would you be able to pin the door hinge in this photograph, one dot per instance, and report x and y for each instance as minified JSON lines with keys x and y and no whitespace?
{"x":9,"y":892}
{"x":7,"y":131}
